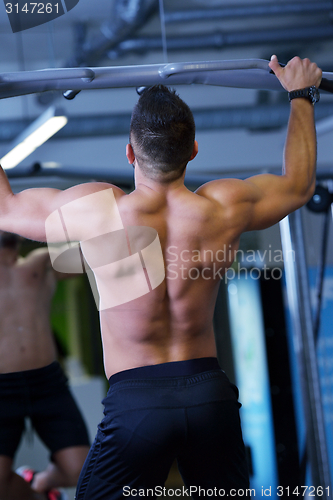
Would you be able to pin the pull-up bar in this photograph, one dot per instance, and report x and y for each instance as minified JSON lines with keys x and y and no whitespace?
{"x":239,"y":73}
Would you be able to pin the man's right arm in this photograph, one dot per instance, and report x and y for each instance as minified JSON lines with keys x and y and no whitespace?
{"x":263,"y":200}
{"x":25,"y":213}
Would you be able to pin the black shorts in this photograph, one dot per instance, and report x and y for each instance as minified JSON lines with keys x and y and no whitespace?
{"x":185,"y":410}
{"x":43,"y":396}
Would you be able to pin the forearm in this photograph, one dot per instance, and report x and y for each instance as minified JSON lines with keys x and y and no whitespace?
{"x":300,"y":154}
{"x":301,"y":148}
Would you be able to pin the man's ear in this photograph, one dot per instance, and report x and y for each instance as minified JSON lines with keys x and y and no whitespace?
{"x":195,"y":150}
{"x":130,"y":154}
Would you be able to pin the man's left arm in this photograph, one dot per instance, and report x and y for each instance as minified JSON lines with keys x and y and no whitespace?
{"x":263,"y":200}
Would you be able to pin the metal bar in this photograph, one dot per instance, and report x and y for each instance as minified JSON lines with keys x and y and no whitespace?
{"x":300,"y":309}
{"x":220,"y":39}
{"x":244,"y":10}
{"x":181,"y":68}
{"x":135,"y":76}
{"x":245,"y":76}
{"x":48,"y":74}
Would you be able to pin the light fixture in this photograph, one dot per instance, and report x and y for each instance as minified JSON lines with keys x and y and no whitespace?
{"x":33,"y":136}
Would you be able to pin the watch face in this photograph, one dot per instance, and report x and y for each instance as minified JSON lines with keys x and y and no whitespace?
{"x":314,"y":94}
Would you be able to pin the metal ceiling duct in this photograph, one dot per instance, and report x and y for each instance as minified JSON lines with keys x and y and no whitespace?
{"x":126,"y":17}
{"x":222,"y":40}
{"x":249,"y":10}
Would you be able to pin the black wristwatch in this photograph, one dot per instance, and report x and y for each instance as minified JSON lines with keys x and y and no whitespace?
{"x":310,"y":93}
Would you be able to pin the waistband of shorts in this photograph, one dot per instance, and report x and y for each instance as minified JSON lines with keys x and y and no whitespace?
{"x":34,"y":374}
{"x":184,"y":368}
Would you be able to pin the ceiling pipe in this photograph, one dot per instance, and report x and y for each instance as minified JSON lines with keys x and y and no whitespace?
{"x":254,"y":118}
{"x":222,"y":40}
{"x":125,"y":18}
{"x":245,"y":10}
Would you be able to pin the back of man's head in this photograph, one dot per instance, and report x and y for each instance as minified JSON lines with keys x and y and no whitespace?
{"x":162,"y":133}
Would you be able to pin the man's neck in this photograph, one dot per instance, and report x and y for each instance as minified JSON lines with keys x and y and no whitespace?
{"x":142,"y":181}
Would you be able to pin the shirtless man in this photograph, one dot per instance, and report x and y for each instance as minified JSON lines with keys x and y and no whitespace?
{"x":31,"y":380}
{"x":168,"y":398}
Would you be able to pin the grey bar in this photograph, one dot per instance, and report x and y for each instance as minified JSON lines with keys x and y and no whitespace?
{"x":298,"y":296}
{"x":238,"y":11}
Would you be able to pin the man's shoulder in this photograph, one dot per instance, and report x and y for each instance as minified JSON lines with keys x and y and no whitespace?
{"x":87,"y":189}
{"x":223,"y":191}
{"x":231,"y":202}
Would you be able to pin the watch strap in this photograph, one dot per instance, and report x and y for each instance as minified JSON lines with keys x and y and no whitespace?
{"x":310,"y":93}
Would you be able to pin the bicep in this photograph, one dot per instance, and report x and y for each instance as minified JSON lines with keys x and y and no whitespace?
{"x":25,"y":212}
{"x":52,"y":215}
{"x":272,"y":198}
{"x":255,"y":203}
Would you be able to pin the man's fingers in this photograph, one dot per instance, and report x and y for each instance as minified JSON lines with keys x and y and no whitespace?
{"x":318,"y":73}
{"x":274,"y":65}
{"x":297,"y":74}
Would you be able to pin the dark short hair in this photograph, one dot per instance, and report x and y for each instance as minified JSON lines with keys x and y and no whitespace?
{"x":162,"y":133}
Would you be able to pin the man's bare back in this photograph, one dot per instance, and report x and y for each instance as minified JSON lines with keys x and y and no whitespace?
{"x":156,"y":295}
{"x":27,"y":286}
{"x":174,"y":320}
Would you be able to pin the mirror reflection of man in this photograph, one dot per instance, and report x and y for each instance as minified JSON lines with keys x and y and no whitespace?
{"x":32,"y":383}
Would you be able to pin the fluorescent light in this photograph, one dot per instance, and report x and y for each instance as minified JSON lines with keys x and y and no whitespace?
{"x":34,"y":136}
{"x":51,"y":164}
